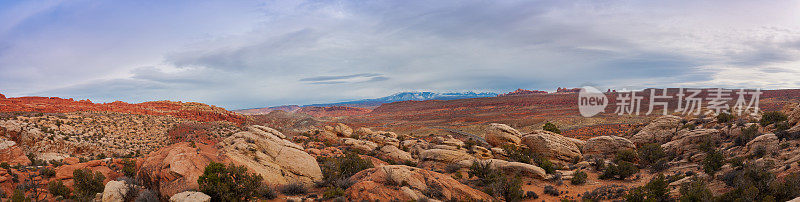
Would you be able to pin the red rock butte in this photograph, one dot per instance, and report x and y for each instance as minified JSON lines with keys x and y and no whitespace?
{"x":187,"y":110}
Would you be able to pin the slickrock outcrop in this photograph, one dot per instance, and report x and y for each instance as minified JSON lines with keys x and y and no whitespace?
{"x":381,"y":138}
{"x":689,"y":143}
{"x":395,"y":154}
{"x":509,"y":167}
{"x":552,"y":145}
{"x":175,"y":168}
{"x":360,"y":145}
{"x":660,"y":131}
{"x":606,"y":146}
{"x":264,"y":151}
{"x":404,"y":183}
{"x":12,"y":154}
{"x":793,"y":113}
{"x":190,"y":196}
{"x":767,"y":142}
{"x":65,"y":172}
{"x":342,"y":130}
{"x":415,"y":146}
{"x":115,"y":191}
{"x":502,"y":134}
{"x":444,"y":156}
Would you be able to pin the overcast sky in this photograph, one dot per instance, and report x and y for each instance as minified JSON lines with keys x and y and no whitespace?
{"x":245,"y":54}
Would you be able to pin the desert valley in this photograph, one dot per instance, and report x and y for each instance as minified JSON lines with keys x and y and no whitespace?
{"x":530,"y":146}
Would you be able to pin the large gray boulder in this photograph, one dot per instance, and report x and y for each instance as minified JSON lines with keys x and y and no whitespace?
{"x":190,"y":196}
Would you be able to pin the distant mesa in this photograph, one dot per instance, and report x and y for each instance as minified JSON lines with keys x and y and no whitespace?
{"x":187,"y":110}
{"x":568,"y":90}
{"x":520,"y":91}
{"x":366,"y":105}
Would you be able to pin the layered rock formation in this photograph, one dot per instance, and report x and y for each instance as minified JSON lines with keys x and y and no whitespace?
{"x":553,"y":146}
{"x":264,"y":151}
{"x":404,"y":183}
{"x":606,"y":146}
{"x":502,"y":134}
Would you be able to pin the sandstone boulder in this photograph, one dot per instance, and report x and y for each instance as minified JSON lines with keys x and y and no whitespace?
{"x":444,"y":156}
{"x":502,"y":134}
{"x":552,"y":145}
{"x":658,"y":131}
{"x":360,"y":145}
{"x":264,"y":151}
{"x":13,"y":155}
{"x":793,"y":113}
{"x":404,"y":183}
{"x":395,"y":154}
{"x":606,"y":146}
{"x":415,"y":146}
{"x":690,"y":142}
{"x":343,"y":130}
{"x":177,"y":167}
{"x":509,"y":167}
{"x":190,"y":196}
{"x":768,"y":143}
{"x":115,"y":191}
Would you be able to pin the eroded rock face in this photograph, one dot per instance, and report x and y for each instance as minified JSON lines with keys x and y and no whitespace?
{"x":552,"y":145}
{"x":190,"y":196}
{"x":793,"y":113}
{"x":115,"y":191}
{"x":395,"y":154}
{"x":360,"y":145}
{"x":690,"y":142}
{"x":404,"y":183}
{"x":12,"y":154}
{"x":343,"y":130}
{"x":444,"y":156}
{"x":264,"y":151}
{"x":606,"y":146}
{"x":502,"y":134}
{"x":175,"y":168}
{"x":767,"y":142}
{"x":660,"y":131}
{"x":509,"y":167}
{"x":65,"y":172}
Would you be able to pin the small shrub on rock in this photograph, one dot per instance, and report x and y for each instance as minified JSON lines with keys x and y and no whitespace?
{"x":695,"y":191}
{"x":579,"y":178}
{"x":229,"y":183}
{"x":655,"y":190}
{"x":550,"y":190}
{"x":509,"y":188}
{"x":772,"y":117}
{"x":626,"y":155}
{"x":47,"y":172}
{"x":129,"y":168}
{"x":620,"y":171}
{"x":57,"y":188}
{"x":86,"y":183}
{"x":333,"y":192}
{"x":336,"y":170}
{"x":747,"y":134}
{"x":293,"y":189}
{"x":713,"y":162}
{"x":483,"y":171}
{"x":725,"y":117}
{"x":531,"y":195}
{"x":551,"y":127}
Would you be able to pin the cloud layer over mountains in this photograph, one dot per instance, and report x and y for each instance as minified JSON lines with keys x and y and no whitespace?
{"x":240,"y":54}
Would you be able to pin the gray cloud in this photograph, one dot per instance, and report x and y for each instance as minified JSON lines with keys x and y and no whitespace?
{"x":253,"y":54}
